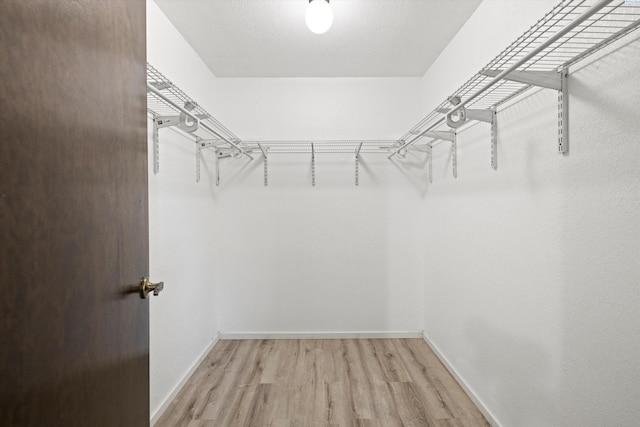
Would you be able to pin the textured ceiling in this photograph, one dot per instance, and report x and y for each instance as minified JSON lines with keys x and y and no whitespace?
{"x":269,"y":38}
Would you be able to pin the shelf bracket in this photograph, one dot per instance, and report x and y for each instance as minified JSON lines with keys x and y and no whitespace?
{"x":199,"y":146}
{"x":167,"y":121}
{"x":161,"y":85}
{"x":156,"y":146}
{"x":445,"y":135}
{"x":313,"y":165}
{"x":485,"y":116}
{"x":206,"y":143}
{"x":220,"y":155}
{"x":473,"y":114}
{"x":546,"y":79}
{"x":563,"y":112}
{"x":494,"y":138}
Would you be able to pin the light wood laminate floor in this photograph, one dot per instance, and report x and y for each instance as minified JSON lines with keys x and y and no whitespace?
{"x":300,"y":383}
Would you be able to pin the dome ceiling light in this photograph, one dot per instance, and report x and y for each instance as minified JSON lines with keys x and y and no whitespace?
{"x":319,"y":16}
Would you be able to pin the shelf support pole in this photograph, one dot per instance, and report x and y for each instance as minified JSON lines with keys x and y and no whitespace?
{"x":266,"y":176}
{"x":494,"y":138}
{"x":156,"y":146}
{"x":358,"y":163}
{"x":563,"y":112}
{"x":454,"y":155}
{"x":313,"y":165}
{"x":217,"y":169}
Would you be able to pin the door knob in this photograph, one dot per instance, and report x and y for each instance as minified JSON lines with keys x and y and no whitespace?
{"x":146,"y":287}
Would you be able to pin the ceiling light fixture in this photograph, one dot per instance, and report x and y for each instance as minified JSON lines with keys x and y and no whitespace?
{"x":319,"y":16}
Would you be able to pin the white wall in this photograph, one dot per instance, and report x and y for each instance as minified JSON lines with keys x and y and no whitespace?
{"x":524,"y":278}
{"x":329,"y":258}
{"x":285,"y":258}
{"x":531,"y":287}
{"x":183,"y":319}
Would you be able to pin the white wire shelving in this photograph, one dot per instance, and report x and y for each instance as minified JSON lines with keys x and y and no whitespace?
{"x":541,"y":57}
{"x":169,"y":106}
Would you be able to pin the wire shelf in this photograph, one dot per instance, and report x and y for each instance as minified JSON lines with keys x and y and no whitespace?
{"x":609,"y":23}
{"x":326,"y":146}
{"x":172,"y":97}
{"x":167,"y":100}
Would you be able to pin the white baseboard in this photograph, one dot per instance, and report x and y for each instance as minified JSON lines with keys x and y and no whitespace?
{"x":487,"y":414}
{"x":318,"y":335}
{"x":165,"y":404}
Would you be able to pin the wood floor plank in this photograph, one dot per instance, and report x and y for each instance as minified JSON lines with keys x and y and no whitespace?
{"x":356,"y":377}
{"x":234,"y":384}
{"x":412,"y":409}
{"x":225,"y":379}
{"x":371,"y":362}
{"x":392,"y":366}
{"x":449,"y":392}
{"x":430,"y":392}
{"x":328,"y":383}
{"x":196,"y":394}
{"x":385,"y":407}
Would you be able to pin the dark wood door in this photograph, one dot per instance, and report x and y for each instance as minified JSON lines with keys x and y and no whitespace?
{"x":74,"y":338}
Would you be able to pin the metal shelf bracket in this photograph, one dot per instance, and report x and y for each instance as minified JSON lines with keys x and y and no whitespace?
{"x":160,"y":85}
{"x":545,"y":79}
{"x":473,"y":114}
{"x":167,"y":121}
{"x":445,"y":135}
{"x":494,"y":138}
{"x":450,"y":136}
{"x":454,"y":156}
{"x":220,"y":154}
{"x":481,"y":115}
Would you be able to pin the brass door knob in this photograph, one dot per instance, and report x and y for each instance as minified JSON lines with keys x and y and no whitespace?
{"x":146,"y":287}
